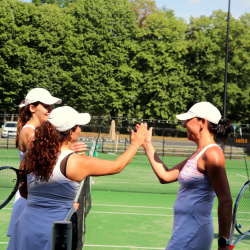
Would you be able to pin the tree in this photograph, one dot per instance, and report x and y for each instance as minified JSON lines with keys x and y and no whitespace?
{"x":60,"y":3}
{"x":206,"y":62}
{"x":31,"y":50}
{"x":163,"y":88}
{"x":98,"y":57}
{"x":143,"y":8}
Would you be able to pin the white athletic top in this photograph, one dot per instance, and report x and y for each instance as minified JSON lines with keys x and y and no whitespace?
{"x":193,"y":223}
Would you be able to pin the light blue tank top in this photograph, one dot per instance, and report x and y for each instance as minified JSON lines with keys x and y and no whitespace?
{"x":193,"y":209}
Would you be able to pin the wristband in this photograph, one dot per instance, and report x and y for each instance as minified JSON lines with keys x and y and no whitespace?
{"x":222,"y":242}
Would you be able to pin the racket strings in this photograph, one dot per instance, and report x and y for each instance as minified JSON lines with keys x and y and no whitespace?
{"x":243,"y":211}
{"x":8,"y":181}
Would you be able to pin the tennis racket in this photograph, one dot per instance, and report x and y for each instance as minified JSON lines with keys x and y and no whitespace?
{"x":10,"y":179}
{"x":241,"y":214}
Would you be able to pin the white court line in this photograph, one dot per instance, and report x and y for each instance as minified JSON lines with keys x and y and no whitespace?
{"x":109,"y":246}
{"x":242,"y":175}
{"x":107,"y":205}
{"x":129,"y":213}
{"x":129,"y":247}
{"x":161,"y":215}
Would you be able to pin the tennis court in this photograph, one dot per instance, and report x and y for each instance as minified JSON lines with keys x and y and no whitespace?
{"x":132,"y":210}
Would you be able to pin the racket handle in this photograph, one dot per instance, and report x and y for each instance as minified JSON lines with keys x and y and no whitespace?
{"x":231,"y":247}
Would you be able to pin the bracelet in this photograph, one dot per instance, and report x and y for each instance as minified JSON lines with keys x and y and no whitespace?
{"x":135,"y":146}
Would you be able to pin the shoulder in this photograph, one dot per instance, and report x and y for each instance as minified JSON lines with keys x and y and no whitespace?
{"x":76,"y":159}
{"x":214,"y":156}
{"x":27,"y":132}
{"x":25,"y":137}
{"x":77,"y":167}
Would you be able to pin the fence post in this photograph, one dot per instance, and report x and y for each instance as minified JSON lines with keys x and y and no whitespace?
{"x":8,"y":140}
{"x":163,"y":147}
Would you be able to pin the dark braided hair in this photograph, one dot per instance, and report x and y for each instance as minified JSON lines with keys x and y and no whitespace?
{"x":222,"y":129}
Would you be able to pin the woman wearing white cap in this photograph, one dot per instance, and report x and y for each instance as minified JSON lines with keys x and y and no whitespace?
{"x":32,"y":113}
{"x":202,"y":176}
{"x":52,"y":186}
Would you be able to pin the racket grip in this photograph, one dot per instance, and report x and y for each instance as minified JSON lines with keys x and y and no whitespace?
{"x":231,"y":247}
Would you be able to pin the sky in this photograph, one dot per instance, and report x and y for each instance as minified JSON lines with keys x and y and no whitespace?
{"x":196,"y":8}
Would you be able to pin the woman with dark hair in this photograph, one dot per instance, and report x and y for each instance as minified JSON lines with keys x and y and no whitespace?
{"x":33,"y":111}
{"x":202,"y":176}
{"x":51,"y":185}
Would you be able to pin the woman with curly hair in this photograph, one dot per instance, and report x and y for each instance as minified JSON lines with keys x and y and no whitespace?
{"x":51,"y":185}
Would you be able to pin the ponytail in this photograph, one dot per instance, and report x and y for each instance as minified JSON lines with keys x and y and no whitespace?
{"x":222,"y":129}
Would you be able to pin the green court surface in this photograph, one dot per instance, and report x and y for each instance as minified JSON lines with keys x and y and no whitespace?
{"x":132,"y":210}
{"x":135,"y":221}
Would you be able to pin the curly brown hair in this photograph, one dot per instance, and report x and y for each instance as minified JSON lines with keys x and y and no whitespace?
{"x":42,"y":155}
{"x":23,"y":117}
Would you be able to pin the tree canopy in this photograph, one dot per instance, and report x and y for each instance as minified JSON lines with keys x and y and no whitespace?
{"x":122,"y":57}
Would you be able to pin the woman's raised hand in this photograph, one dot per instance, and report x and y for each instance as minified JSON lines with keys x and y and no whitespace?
{"x":138,"y":137}
{"x":148,"y":139}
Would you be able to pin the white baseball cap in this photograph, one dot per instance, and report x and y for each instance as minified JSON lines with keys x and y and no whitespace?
{"x":65,"y":118}
{"x":202,"y":110}
{"x":40,"y":95}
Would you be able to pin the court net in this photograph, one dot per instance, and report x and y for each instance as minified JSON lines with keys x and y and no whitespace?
{"x":84,"y":201}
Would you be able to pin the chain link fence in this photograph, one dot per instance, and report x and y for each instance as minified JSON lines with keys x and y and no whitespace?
{"x":168,"y":136}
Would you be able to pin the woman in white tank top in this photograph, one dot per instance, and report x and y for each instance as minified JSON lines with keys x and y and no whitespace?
{"x":201,"y":177}
{"x":33,"y":111}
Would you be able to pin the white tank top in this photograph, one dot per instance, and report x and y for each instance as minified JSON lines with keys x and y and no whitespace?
{"x":21,"y":153}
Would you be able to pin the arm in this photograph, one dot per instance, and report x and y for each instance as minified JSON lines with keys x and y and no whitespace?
{"x":25,"y":138}
{"x":23,"y":186}
{"x":23,"y":189}
{"x":80,"y":166}
{"x":215,"y":169}
{"x":164,"y":174}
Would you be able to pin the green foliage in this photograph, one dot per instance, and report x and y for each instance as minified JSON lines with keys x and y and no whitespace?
{"x":207,"y":49}
{"x":122,"y":57}
{"x":161,"y":60}
{"x":99,"y":56}
{"x":60,"y":3}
